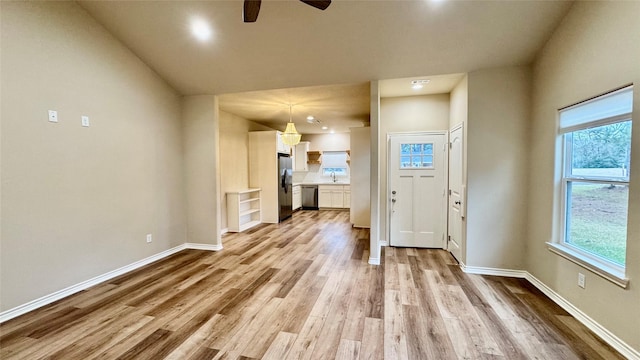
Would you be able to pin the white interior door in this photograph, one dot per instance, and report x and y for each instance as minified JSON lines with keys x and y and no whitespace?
{"x":417,"y":190}
{"x":456,"y":193}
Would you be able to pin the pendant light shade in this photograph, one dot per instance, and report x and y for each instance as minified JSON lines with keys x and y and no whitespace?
{"x":291,"y":136}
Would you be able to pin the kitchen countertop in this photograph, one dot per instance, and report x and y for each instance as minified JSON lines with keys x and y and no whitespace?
{"x":323,"y":183}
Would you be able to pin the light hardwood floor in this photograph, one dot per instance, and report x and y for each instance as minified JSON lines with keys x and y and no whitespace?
{"x":303,"y":289}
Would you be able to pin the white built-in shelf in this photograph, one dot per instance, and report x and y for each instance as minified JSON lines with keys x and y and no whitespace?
{"x":248,"y":212}
{"x":243,"y":209}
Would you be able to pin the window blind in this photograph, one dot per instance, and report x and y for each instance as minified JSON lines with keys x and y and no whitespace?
{"x":609,"y":108}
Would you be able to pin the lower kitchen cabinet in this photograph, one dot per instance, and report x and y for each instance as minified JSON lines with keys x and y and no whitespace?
{"x":347,"y":197}
{"x":334,"y":196}
{"x":297,"y":197}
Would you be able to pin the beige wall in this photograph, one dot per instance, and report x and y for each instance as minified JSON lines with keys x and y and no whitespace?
{"x":360,"y":177}
{"x":376,"y":215}
{"x":328,"y":142}
{"x":594,"y":50}
{"x":234,"y":156}
{"x":497,"y":133}
{"x":200,"y":120}
{"x":77,"y":202}
{"x":404,"y":114}
{"x":459,"y":103}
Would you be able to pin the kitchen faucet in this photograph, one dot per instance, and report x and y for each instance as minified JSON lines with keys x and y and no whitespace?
{"x":333,"y":176}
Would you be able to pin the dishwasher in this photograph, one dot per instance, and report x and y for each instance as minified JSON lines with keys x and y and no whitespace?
{"x":310,"y":197}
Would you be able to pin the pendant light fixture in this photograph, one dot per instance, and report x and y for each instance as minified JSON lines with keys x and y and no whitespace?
{"x":291,"y":136}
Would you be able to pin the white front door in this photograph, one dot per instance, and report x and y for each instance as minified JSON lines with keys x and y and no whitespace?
{"x":417,"y":190}
{"x":456,"y":193}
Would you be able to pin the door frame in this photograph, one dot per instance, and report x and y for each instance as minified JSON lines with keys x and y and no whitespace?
{"x":387,"y":197}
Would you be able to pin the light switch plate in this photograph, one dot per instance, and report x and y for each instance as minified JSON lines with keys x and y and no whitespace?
{"x":581,"y":280}
{"x":85,"y":121}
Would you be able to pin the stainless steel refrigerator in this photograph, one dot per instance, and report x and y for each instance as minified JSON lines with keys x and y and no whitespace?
{"x":285,"y":187}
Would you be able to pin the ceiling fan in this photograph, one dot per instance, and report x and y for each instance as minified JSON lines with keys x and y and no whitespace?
{"x":252,"y":8}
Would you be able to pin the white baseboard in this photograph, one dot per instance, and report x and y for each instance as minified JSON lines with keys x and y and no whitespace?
{"x":48,"y":299}
{"x":211,"y":247}
{"x":383,"y":243}
{"x":606,"y":335}
{"x":374,"y":261}
{"x":224,"y":231}
{"x":601,"y":331}
{"x":493,"y":271}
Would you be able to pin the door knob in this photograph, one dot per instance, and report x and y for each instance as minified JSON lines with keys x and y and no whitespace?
{"x":393,"y":200}
{"x":393,"y":192}
{"x":457,"y":202}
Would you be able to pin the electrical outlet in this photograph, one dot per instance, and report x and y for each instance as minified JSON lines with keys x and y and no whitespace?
{"x":53,"y":116}
{"x":149,"y":238}
{"x":85,"y":121}
{"x":581,"y":280}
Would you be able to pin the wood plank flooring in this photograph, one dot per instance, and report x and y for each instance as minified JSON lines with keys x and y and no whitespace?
{"x":303,"y":289}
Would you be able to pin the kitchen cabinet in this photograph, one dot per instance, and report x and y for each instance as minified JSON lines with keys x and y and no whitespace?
{"x":243,"y":209}
{"x":324,"y":196}
{"x":297,"y":197}
{"x":281,"y":147}
{"x":347,"y":197}
{"x":337,"y":198}
{"x":300,"y":163}
{"x":333,"y":196}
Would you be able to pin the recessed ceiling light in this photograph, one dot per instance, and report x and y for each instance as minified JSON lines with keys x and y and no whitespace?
{"x":418,"y":84}
{"x":310,"y":118}
{"x":333,"y":132}
{"x":324,"y":128}
{"x":201,"y":29}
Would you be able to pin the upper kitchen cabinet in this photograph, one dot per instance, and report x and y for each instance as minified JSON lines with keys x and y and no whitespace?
{"x":300,"y":155}
{"x":281,"y":147}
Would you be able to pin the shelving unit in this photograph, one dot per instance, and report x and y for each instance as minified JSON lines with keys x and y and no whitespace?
{"x":243,"y":210}
{"x":313,"y":157}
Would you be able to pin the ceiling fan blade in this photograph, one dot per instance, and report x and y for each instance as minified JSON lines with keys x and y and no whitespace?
{"x":251,"y":10}
{"x":318,"y":4}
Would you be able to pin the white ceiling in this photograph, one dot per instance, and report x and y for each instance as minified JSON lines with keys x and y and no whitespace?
{"x":438,"y":84}
{"x":352,"y":42}
{"x":339,"y":107}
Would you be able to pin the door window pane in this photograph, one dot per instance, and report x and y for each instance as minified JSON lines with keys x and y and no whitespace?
{"x":428,"y":148}
{"x":416,"y":156}
{"x":405,"y":149}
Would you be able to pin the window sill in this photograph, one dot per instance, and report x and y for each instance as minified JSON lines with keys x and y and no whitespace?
{"x":602,"y":270}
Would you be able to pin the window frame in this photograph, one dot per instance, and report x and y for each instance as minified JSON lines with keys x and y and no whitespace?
{"x":607,"y":269}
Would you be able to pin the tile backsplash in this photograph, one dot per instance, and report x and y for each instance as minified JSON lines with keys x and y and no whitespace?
{"x":314,"y":175}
